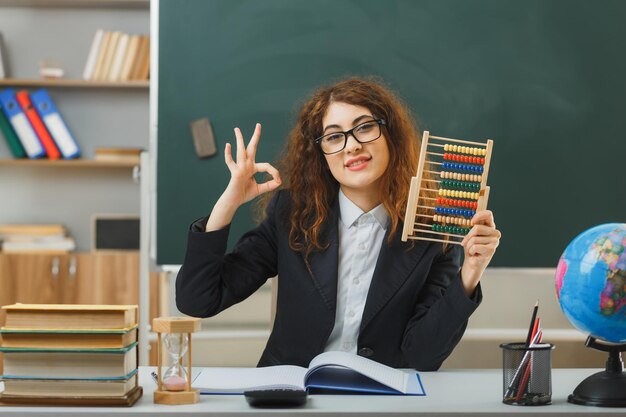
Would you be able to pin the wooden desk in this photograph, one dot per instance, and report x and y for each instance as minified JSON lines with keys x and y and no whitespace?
{"x":467,"y":392}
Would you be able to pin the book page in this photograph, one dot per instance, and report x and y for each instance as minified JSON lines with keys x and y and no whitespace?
{"x":396,"y":379}
{"x":238,"y":380}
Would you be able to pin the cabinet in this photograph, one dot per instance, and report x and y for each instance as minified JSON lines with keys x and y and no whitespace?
{"x":77,"y":278}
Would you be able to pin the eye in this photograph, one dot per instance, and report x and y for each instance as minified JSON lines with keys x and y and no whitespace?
{"x":333,"y":138}
{"x":365,"y":127}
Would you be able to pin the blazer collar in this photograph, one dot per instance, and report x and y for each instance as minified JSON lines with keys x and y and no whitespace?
{"x":325,"y":264}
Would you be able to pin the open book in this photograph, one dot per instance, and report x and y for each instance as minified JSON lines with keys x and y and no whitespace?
{"x":328,"y":371}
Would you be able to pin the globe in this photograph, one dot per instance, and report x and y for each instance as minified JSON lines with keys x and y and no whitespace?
{"x":591,"y":282}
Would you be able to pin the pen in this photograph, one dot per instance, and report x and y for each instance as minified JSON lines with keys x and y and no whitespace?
{"x":155,"y":377}
{"x":532,"y":324}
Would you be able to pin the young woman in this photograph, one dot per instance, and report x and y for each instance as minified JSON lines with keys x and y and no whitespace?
{"x":332,"y":236}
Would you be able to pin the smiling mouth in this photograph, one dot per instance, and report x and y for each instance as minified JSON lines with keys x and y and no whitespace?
{"x":359,"y":162}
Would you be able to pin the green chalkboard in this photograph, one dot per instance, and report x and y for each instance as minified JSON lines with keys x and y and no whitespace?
{"x":545,"y":79}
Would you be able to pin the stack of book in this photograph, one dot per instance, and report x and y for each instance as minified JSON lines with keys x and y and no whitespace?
{"x":39,"y":238}
{"x":70,"y":354}
{"x":33,"y":127}
{"x":118,"y":56}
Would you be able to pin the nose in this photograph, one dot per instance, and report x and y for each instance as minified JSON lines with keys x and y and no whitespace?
{"x":352,"y":145}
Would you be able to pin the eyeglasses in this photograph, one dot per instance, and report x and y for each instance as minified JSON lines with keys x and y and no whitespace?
{"x":363,"y":133}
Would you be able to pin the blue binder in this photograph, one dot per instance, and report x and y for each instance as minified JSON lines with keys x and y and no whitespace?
{"x":21,"y":125}
{"x":56,"y":125}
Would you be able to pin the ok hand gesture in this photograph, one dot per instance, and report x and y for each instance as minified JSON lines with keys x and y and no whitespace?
{"x":242,"y":186}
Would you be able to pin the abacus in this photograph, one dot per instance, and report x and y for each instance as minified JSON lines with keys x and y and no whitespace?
{"x":450,"y":186}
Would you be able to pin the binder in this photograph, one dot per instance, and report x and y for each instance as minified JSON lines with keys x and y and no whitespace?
{"x":22,"y":127}
{"x":9,"y":134}
{"x":55,"y":124}
{"x":35,"y":121}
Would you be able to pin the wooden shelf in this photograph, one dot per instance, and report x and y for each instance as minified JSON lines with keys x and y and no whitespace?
{"x":63,"y":83}
{"x":118,"y":4}
{"x":68,"y":163}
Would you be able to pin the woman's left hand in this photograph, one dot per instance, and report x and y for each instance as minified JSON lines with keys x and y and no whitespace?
{"x":480,"y":244}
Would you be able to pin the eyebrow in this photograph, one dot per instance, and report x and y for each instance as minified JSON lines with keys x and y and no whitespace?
{"x":354,"y":122}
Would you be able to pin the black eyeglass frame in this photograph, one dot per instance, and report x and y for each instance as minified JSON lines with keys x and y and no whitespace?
{"x":380,"y":122}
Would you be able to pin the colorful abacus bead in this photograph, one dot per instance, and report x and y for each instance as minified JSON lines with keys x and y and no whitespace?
{"x":463,"y":158}
{"x":464,"y":149}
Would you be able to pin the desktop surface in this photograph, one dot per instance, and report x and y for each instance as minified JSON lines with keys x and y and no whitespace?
{"x":448,"y":392}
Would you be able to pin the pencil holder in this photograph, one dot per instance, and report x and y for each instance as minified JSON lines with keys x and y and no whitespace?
{"x":527,"y":374}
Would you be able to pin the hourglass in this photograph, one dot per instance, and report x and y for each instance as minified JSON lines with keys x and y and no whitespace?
{"x":174,"y":385}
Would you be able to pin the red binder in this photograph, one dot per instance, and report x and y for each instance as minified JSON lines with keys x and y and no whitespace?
{"x":38,"y":126}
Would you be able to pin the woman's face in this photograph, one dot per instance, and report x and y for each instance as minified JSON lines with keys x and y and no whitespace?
{"x":359,"y":166}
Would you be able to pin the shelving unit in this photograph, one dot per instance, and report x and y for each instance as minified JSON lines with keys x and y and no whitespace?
{"x":99,"y":113}
{"x":130,"y":4}
{"x":72,"y":163}
{"x":70,"y":192}
{"x":66,"y":83}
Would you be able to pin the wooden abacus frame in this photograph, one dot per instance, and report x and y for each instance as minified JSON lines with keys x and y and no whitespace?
{"x":420,"y":226}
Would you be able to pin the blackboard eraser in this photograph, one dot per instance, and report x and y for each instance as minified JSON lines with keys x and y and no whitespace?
{"x":203,"y":139}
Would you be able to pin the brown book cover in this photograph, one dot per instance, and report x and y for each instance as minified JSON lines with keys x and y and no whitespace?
{"x":144,"y":45}
{"x":32,"y":229}
{"x":109,"y":54}
{"x":131,"y":54}
{"x":70,"y":316}
{"x":118,"y":58}
{"x":124,"y":401}
{"x":144,"y":71}
{"x":47,"y":363}
{"x":69,"y":388}
{"x":20,"y":338}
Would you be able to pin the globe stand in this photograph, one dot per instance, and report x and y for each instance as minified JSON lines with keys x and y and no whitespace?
{"x":606,"y":388}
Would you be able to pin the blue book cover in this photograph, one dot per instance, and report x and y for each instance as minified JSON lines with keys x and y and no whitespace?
{"x":21,"y":125}
{"x":55,"y":124}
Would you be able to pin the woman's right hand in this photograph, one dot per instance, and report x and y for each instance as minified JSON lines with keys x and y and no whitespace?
{"x":242,"y":186}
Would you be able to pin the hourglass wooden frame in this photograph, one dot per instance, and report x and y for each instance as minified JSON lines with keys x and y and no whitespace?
{"x":183,"y":326}
{"x":450,"y":186}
